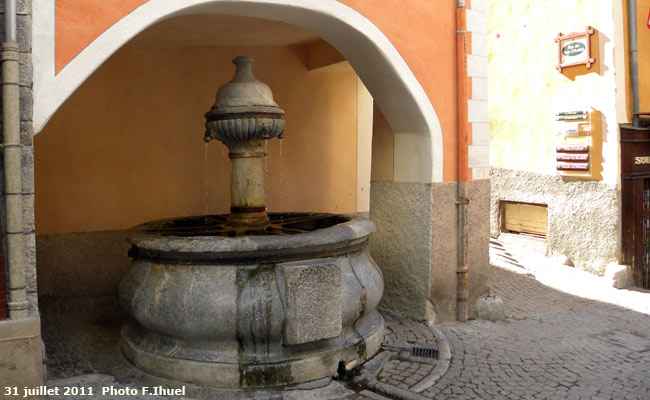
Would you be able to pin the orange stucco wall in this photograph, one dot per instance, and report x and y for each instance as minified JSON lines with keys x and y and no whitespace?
{"x":127,"y":146}
{"x":643,"y":38}
{"x":422,"y":31}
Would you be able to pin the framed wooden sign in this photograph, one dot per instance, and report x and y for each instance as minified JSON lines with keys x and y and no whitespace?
{"x":574,"y":49}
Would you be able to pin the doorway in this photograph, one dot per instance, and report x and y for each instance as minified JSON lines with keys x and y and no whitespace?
{"x":635,"y":182}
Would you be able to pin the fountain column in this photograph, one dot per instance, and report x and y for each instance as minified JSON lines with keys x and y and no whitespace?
{"x":244,"y":116}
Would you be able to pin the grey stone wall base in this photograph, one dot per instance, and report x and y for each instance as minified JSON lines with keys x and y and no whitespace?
{"x":445,"y":246}
{"x":416,"y":245}
{"x":402,"y":245}
{"x":478,"y":192}
{"x":444,"y":254}
{"x":620,"y":276}
{"x":81,"y":264}
{"x":21,"y":352}
{"x":583,"y":216}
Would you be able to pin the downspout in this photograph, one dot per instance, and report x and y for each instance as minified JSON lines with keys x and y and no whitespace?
{"x":12,"y":152}
{"x":634,"y":59}
{"x":462,"y":268}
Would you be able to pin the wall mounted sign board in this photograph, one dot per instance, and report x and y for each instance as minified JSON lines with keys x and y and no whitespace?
{"x":572,"y":157}
{"x":576,"y":148}
{"x":578,"y":144}
{"x":573,"y":167}
{"x":574,"y":49}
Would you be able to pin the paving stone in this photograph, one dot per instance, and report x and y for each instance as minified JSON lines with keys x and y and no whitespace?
{"x":552,"y":344}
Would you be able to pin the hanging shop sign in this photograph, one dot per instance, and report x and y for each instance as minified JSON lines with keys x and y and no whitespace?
{"x":574,"y":49}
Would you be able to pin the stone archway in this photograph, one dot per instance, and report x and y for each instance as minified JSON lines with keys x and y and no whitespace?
{"x":404,"y":244}
{"x":418,"y":136}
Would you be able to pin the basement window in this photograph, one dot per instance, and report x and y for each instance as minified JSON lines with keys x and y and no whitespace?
{"x":524,"y":218}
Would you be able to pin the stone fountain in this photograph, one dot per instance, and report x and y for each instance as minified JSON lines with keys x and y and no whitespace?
{"x":250,"y":299}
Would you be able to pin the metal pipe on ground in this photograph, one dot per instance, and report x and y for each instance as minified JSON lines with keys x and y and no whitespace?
{"x":12,"y":151}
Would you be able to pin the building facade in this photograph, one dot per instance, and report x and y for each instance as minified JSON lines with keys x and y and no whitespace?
{"x":556,"y":147}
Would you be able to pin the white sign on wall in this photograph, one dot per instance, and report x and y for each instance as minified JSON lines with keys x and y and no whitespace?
{"x":574,"y":49}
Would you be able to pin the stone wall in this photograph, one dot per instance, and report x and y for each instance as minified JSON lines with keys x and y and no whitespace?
{"x":21,"y":348}
{"x":402,"y":244}
{"x":24,"y":37}
{"x":21,"y":354}
{"x":478,"y":256}
{"x":417,"y":250}
{"x":81,"y":264}
{"x":444,"y":254}
{"x":583,"y":216}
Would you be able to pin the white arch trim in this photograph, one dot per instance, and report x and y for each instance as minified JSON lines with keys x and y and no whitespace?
{"x":418,"y":135}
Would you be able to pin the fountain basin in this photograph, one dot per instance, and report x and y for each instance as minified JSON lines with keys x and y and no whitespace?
{"x":238,"y":309}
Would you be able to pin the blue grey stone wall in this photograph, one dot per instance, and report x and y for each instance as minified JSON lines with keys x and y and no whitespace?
{"x":24,"y":38}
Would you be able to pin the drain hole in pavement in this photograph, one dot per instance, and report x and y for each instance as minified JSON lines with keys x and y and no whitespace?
{"x":424,"y":352}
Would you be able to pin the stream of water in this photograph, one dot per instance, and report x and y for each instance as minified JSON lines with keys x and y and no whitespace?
{"x":205,"y":179}
{"x":281,"y":190}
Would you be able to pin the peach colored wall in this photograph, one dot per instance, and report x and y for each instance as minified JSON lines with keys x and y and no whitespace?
{"x":127,"y":146}
{"x":422,"y":31}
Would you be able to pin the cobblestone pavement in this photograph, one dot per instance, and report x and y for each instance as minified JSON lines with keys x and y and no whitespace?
{"x":553,"y":344}
{"x":401,"y":373}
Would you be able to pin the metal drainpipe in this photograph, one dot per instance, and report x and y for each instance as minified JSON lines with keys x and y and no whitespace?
{"x":12,"y":152}
{"x":462,"y":269}
{"x":634,"y":59}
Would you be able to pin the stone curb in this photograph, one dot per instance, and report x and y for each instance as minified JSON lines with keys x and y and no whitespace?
{"x":444,"y":358}
{"x":368,"y":377}
{"x":373,"y":395}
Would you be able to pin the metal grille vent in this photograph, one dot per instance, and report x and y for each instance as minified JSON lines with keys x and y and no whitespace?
{"x":424,"y":352}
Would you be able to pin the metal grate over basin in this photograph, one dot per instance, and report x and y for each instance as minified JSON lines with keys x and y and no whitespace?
{"x":217,"y":225}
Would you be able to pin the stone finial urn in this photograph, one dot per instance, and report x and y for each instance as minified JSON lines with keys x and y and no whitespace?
{"x":243,"y":117}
